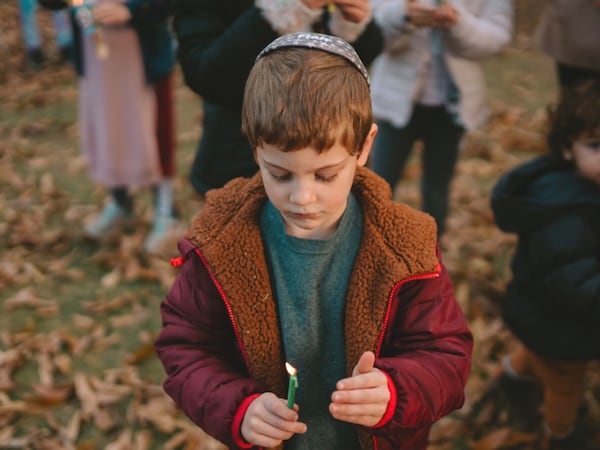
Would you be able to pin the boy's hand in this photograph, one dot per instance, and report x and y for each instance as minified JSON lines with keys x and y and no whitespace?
{"x":109,"y":13}
{"x":363,"y":398}
{"x":268,"y":421}
{"x":354,"y":10}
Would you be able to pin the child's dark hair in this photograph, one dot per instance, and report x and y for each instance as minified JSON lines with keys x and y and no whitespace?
{"x":300,"y":97}
{"x":577,"y":114}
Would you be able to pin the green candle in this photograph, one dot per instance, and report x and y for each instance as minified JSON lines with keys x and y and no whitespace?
{"x":293,"y":384}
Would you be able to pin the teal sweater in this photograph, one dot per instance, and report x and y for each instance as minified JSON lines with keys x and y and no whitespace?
{"x":311,"y":281}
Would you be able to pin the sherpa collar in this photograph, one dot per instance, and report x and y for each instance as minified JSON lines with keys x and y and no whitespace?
{"x":398,"y":243}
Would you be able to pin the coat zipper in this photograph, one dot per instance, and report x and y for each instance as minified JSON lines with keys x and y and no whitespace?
{"x":236,"y":330}
{"x":386,"y":320}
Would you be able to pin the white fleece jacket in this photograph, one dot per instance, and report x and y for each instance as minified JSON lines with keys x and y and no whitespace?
{"x":484,"y":27}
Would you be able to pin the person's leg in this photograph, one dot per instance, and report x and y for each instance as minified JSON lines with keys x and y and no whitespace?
{"x":441,"y":139}
{"x":29,"y":28}
{"x":514,"y":392}
{"x":564,"y":383}
{"x":122,"y":198}
{"x":118,"y":208}
{"x":167,"y":226}
{"x":223,"y":152}
{"x":64,"y":34}
{"x":391,"y":150}
{"x":165,"y":125}
{"x":30,"y":32}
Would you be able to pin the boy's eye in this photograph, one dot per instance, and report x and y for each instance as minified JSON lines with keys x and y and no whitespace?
{"x":594,"y":144}
{"x":280,"y":178}
{"x":325,"y":178}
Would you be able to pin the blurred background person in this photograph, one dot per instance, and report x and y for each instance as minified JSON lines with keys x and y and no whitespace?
{"x":124,"y":55}
{"x":569,"y":32}
{"x":35,"y":55}
{"x":218,"y":41}
{"x":552,"y":303}
{"x":428,"y":85}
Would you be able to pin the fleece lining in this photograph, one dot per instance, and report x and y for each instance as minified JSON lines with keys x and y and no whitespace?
{"x":398,"y":242}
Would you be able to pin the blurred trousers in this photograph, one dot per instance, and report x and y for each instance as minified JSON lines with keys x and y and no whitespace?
{"x":563,"y":384}
{"x":30,"y":30}
{"x":165,"y":124}
{"x":441,"y":137}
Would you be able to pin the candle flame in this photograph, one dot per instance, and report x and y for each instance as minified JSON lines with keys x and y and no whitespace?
{"x":290,"y":369}
{"x":77,"y":2}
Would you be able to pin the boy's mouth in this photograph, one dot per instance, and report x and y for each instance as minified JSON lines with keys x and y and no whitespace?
{"x":303,"y":215}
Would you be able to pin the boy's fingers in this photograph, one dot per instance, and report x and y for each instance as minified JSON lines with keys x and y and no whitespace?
{"x":370,"y":394}
{"x":365,"y":364}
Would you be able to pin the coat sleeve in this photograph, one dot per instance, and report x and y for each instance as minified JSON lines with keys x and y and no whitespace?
{"x":482,"y":34}
{"x":217,"y":52}
{"x":566,"y":267}
{"x":390,"y":15}
{"x":206,"y":375}
{"x":427,"y":353}
{"x":370,"y":43}
{"x":148,"y":12}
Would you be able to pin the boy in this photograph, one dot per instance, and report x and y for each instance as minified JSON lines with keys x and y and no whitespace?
{"x":311,"y":262}
{"x":552,"y":304}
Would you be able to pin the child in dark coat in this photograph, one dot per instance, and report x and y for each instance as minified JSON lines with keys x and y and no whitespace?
{"x":552,"y":304}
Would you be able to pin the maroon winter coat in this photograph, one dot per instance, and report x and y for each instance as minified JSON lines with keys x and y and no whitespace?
{"x":220,"y":340}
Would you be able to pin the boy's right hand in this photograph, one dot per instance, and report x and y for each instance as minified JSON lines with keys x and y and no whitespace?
{"x":268,"y":421}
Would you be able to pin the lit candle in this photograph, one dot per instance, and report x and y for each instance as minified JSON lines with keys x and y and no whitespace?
{"x":293,"y":384}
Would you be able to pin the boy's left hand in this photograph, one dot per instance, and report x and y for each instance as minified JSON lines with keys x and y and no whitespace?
{"x":361,"y":399}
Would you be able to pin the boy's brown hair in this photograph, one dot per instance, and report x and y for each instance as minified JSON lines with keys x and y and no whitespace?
{"x":300,"y":97}
{"x":577,"y":114}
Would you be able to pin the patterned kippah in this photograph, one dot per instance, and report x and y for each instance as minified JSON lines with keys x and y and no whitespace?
{"x":318,"y":41}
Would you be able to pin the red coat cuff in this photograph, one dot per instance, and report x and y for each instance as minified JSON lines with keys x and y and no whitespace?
{"x":391,"y":407}
{"x":236,"y":426}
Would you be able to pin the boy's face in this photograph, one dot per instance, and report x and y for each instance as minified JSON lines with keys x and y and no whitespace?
{"x":585,"y":154}
{"x":310,"y":189}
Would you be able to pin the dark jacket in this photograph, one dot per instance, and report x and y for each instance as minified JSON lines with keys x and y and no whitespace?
{"x":149,"y":20}
{"x":220,"y":341}
{"x":552,"y":303}
{"x":219,"y":40}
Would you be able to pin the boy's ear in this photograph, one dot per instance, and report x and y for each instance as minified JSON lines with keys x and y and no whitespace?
{"x":368,"y":144}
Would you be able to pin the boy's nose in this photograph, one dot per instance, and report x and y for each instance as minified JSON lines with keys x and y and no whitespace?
{"x":301,"y":194}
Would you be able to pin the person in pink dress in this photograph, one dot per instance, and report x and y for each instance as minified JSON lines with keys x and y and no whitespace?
{"x":124,"y":55}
